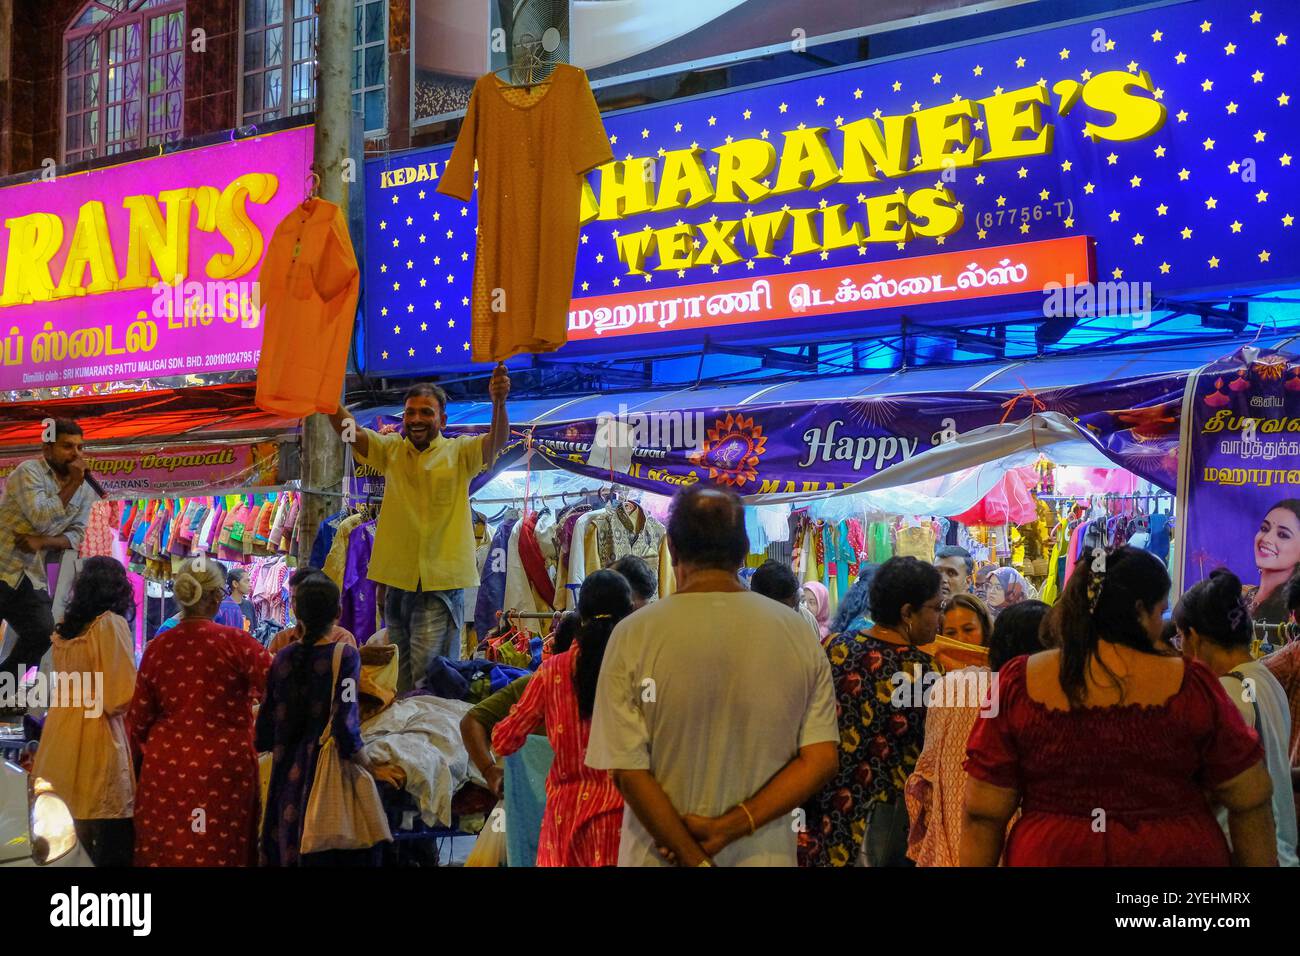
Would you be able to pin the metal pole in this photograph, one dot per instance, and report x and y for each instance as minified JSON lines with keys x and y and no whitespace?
{"x":322,"y":452}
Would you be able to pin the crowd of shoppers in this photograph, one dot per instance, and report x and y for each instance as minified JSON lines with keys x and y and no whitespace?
{"x":914,"y":724}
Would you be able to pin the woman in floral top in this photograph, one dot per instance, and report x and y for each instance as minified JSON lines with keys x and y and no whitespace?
{"x":879,"y":676}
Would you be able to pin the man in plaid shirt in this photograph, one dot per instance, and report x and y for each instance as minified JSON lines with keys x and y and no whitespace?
{"x":46,"y":505}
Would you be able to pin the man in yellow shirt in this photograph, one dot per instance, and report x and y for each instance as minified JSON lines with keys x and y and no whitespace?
{"x":424,"y":543}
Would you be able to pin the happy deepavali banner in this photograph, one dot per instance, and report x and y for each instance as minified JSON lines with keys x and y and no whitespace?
{"x":1141,"y":147}
{"x":89,"y":292}
{"x":176,"y":469}
{"x":1243,"y":474}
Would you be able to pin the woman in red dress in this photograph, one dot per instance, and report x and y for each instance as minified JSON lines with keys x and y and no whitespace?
{"x":584,"y":810}
{"x":1109,"y":747}
{"x":191,"y":728}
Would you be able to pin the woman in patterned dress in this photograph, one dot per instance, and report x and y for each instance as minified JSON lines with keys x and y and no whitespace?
{"x":191,"y":729}
{"x":584,"y":810}
{"x":936,"y":788}
{"x":860,"y":816}
{"x":299,"y":692}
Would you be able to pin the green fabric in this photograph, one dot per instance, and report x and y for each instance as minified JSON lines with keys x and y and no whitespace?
{"x":493,"y":709}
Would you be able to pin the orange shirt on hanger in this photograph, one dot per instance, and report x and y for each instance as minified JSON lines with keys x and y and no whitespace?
{"x":309,"y":284}
{"x":533,"y":145}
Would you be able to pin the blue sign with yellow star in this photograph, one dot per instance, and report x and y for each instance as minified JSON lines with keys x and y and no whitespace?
{"x":1146,"y":150}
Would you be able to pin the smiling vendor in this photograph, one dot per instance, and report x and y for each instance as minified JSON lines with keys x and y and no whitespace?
{"x":424,"y":543}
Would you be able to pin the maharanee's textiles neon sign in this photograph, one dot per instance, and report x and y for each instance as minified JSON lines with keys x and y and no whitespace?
{"x":959,"y":135}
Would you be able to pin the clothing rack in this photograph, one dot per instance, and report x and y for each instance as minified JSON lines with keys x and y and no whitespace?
{"x":1109,"y":496}
{"x":579,"y":493}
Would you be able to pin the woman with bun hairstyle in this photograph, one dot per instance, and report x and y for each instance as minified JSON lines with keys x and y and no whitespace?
{"x":1277,"y":556}
{"x":1214,"y":621}
{"x":1108,"y":746}
{"x":191,"y":730}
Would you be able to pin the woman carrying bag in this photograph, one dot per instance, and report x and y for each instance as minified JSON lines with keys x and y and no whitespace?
{"x":322,"y":807}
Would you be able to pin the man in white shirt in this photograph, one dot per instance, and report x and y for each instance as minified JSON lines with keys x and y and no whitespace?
{"x":45,"y":506}
{"x":714,"y":711}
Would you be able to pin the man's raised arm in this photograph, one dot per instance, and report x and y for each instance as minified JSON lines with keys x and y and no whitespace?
{"x":348,"y":429}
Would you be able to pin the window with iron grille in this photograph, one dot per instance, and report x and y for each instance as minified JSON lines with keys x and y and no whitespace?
{"x":124,"y":77}
{"x":279,"y":60}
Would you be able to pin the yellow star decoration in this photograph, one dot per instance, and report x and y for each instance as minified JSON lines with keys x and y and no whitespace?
{"x":1001,"y":201}
{"x":1207,"y":85}
{"x":1117,"y":272}
{"x":1114,"y":215}
{"x":1043,"y":194}
{"x":1281,"y":39}
{"x":1066,"y":166}
{"x":1137,"y":239}
{"x":1230,"y":49}
{"x":1161,"y":209}
{"x":1022,"y":172}
{"x":980,"y":234}
{"x":1208,"y":144}
{"x":1232,"y":108}
{"x":1157,"y":37}
{"x":1187,"y":232}
{"x":1211,"y":203}
{"x":979,"y":179}
{"x":1288,"y":219}
{"x":1164,"y":268}
{"x":1256,"y":16}
{"x":1205,"y":26}
{"x":1112,"y":159}
{"x":1183,"y":174}
{"x":1088,"y":188}
{"x":1135,"y":182}
{"x":1214,"y":262}
{"x":1263,"y":255}
{"x":1259,"y":135}
{"x":821,"y":101}
{"x":936,"y":79}
{"x":1024,"y":228}
{"x":1285,"y":159}
{"x":1069,"y":222}
{"x":1261,"y":196}
{"x":1160,"y":152}
{"x":1020,"y":62}
{"x":1284,"y":99}
{"x":1110,"y":45}
{"x":978,"y":71}
{"x":898,"y":86}
{"x":1235,"y":226}
{"x":1234,"y":166}
{"x":1257,"y":76}
{"x":1180,"y":58}
{"x":1064,"y":54}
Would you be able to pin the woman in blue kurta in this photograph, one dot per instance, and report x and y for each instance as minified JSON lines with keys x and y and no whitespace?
{"x":299,"y":691}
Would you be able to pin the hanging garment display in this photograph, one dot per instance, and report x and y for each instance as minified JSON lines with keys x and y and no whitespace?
{"x":532,"y":145}
{"x":310,"y":284}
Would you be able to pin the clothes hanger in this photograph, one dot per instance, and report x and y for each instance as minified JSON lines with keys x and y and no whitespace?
{"x":529,"y":63}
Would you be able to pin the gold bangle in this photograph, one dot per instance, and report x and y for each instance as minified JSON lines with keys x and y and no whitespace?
{"x":752,"y":827}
